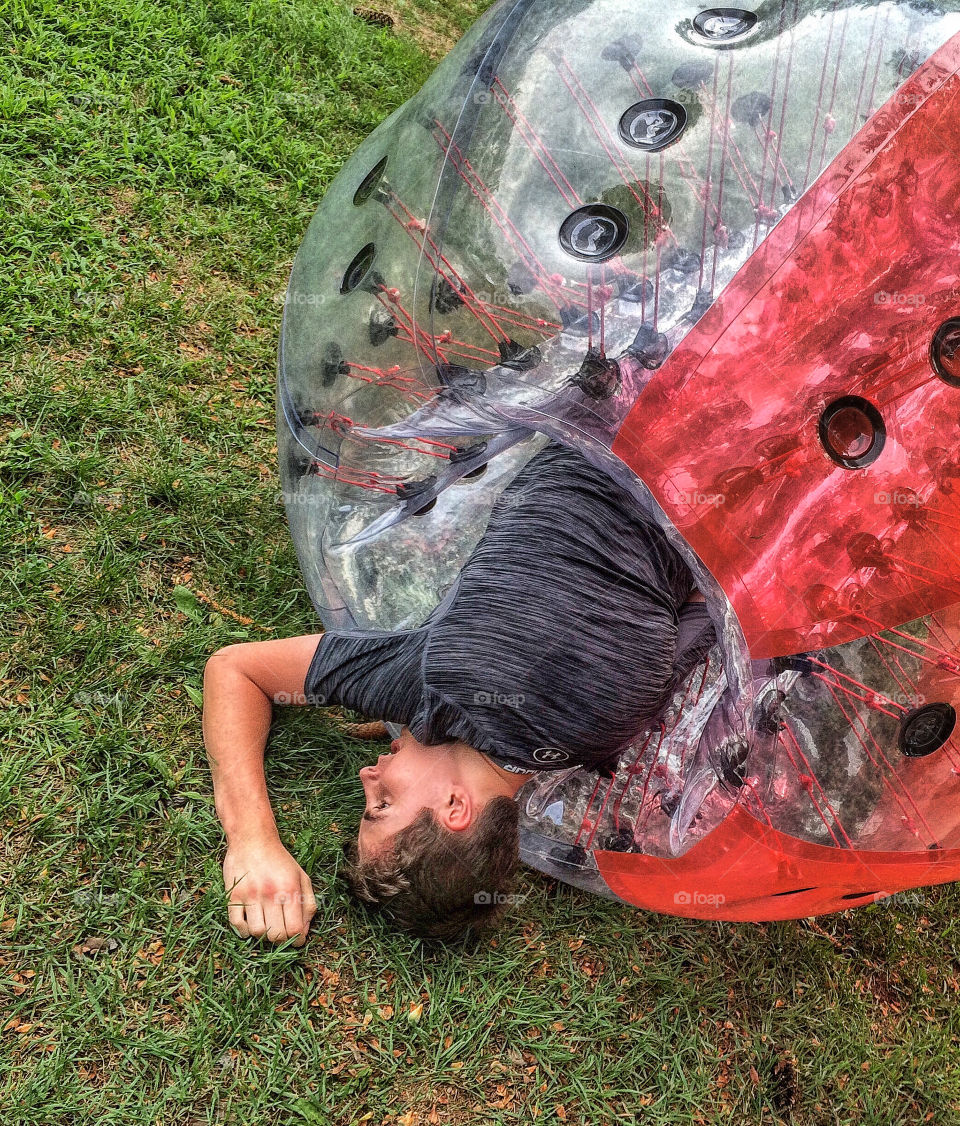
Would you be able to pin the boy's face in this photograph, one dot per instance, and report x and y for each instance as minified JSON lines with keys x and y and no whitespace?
{"x":400,"y":784}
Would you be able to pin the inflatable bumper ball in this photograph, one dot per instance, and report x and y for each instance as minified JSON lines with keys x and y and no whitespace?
{"x":716,"y":251}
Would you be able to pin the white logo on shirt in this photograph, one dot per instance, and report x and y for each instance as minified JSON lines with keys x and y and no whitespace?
{"x":551,"y":754}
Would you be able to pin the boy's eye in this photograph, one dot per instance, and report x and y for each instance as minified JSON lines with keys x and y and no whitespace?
{"x":383,"y":805}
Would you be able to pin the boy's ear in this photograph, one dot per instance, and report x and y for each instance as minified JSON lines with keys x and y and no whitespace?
{"x":458,"y":811}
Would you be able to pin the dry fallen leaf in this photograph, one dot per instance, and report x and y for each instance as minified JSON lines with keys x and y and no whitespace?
{"x":94,"y":943}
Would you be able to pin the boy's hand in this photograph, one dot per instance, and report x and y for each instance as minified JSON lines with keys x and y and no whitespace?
{"x":270,"y":894}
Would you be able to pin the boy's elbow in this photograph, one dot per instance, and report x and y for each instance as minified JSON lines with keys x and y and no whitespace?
{"x":224,"y":659}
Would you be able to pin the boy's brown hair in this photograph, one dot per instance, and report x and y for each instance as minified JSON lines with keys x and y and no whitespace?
{"x":438,"y":884}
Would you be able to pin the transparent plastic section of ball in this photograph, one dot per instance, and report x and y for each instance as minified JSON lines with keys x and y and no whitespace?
{"x":551,"y":214}
{"x":851,"y":747}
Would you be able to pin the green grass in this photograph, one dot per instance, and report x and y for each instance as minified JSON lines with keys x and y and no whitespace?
{"x":158,"y":167}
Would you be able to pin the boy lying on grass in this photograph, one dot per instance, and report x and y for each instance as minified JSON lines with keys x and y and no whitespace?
{"x":564,"y":635}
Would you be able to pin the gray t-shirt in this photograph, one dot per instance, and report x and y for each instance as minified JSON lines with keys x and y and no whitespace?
{"x":561,"y":639}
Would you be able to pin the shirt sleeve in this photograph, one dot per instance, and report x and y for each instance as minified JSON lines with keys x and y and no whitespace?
{"x":374,"y":673}
{"x":378,"y":673}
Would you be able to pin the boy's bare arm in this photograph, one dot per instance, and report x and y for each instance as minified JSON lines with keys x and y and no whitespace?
{"x":270,"y":894}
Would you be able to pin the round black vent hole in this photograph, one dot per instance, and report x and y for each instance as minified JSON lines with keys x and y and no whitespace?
{"x":724,"y":25}
{"x":652,"y":124}
{"x":924,"y":730}
{"x":368,"y":185}
{"x":945,"y":352}
{"x":594,"y":233}
{"x":358,"y":268}
{"x":852,"y":432}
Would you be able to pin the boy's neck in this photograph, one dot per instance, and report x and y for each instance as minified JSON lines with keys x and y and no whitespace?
{"x":511,"y":780}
